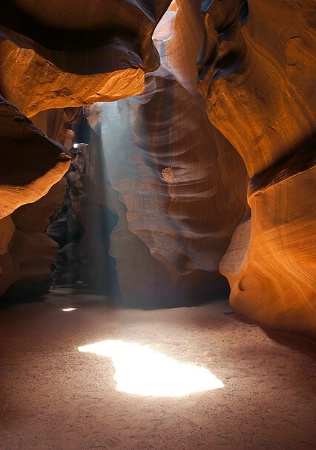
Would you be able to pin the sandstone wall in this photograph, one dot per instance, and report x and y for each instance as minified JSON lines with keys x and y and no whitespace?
{"x":257,"y":76}
{"x":175,"y":180}
{"x":31,"y":165}
{"x":177,"y":201}
{"x":57,"y":55}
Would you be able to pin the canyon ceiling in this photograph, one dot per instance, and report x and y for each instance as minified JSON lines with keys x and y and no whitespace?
{"x":200,"y":166}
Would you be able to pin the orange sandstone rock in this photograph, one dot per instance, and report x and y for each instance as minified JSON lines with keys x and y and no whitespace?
{"x":258,"y":81}
{"x":59,"y":54}
{"x":30,"y":163}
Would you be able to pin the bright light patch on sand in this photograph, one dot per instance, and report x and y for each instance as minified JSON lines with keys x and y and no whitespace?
{"x":68,"y":309}
{"x":143,"y":371}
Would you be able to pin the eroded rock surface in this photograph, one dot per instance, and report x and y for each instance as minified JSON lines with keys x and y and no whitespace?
{"x":55,"y":55}
{"x":259,"y":85}
{"x":30,"y":253}
{"x":59,"y":54}
{"x":175,"y":180}
{"x":31,"y":164}
{"x":168,"y":165}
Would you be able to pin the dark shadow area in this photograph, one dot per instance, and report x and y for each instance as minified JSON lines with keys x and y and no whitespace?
{"x":298,"y":343}
{"x":301,"y":158}
{"x":25,"y":291}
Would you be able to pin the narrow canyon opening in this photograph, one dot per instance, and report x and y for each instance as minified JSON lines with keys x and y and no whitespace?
{"x":157,"y":225}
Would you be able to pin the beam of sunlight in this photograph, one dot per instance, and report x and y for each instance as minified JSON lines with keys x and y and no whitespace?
{"x":143,"y":371}
{"x":68,"y":309}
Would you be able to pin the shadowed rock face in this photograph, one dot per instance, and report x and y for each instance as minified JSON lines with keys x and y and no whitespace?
{"x":58,"y":54}
{"x":176,"y":180}
{"x":165,"y":180}
{"x":257,"y":78}
{"x":31,"y":165}
{"x":27,"y":259}
{"x":167,"y":166}
{"x":66,"y":25}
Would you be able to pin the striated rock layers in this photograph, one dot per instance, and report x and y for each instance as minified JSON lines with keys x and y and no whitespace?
{"x":150,"y":190}
{"x":30,"y":163}
{"x":173,"y":178}
{"x":162,"y":179}
{"x":30,"y":166}
{"x":26,"y":261}
{"x":158,"y":164}
{"x":257,"y":75}
{"x":57,"y":54}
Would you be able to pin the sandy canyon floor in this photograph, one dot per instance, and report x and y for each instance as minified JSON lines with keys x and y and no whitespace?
{"x":177,"y":379}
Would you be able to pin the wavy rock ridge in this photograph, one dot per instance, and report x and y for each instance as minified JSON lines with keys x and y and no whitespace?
{"x":176,"y":180}
{"x":259,"y":88}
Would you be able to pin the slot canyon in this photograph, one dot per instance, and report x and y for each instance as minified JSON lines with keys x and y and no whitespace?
{"x":158,"y":224}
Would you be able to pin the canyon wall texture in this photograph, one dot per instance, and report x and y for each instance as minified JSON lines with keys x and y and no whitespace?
{"x":159,"y":165}
{"x":57,"y":55}
{"x":257,"y":76}
{"x":179,"y":186}
{"x":163,"y":181}
{"x":30,"y":166}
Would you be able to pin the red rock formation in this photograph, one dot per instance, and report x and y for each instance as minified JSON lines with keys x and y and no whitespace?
{"x":259,"y":85}
{"x":176,"y":184}
{"x":30,"y":166}
{"x":56,"y":54}
{"x":29,"y":254}
{"x":169,"y":167}
{"x":30,"y":163}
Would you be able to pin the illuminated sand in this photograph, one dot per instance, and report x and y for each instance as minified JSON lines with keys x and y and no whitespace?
{"x":78,"y":375}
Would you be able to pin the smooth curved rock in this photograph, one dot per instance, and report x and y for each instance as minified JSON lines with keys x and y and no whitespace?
{"x":34,"y":217}
{"x":31,"y":192}
{"x":55,"y":55}
{"x":173,"y":179}
{"x":30,"y":163}
{"x":168,"y":164}
{"x":25,"y":266}
{"x":7,"y":229}
{"x":259,"y":86}
{"x":256,"y":93}
{"x":271,"y":264}
{"x":82,"y":26}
